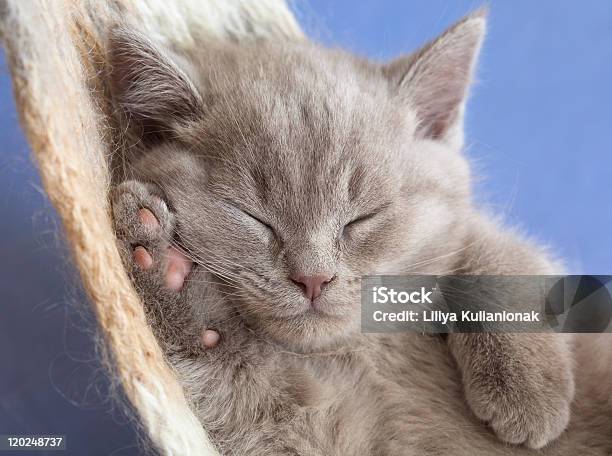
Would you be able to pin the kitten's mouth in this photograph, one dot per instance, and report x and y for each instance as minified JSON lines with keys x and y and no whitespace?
{"x":320,"y":307}
{"x":315,"y":313}
{"x":301,"y":324}
{"x":310,"y":330}
{"x":296,"y":314}
{"x":317,"y":306}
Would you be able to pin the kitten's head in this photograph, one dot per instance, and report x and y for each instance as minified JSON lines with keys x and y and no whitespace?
{"x":295,"y":170}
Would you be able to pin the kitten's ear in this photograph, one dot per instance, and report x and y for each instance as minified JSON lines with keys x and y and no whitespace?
{"x":156,"y":96}
{"x":435,"y":79}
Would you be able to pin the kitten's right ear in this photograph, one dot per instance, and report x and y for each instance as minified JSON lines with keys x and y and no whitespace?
{"x":435,"y":79}
{"x":156,"y":96}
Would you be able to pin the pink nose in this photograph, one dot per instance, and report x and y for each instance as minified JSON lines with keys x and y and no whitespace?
{"x":312,"y":285}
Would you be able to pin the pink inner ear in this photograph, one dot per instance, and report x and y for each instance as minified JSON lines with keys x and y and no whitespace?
{"x":152,"y":90}
{"x":435,"y":79}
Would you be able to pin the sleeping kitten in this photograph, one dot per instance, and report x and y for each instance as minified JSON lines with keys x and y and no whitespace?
{"x":263,"y":181}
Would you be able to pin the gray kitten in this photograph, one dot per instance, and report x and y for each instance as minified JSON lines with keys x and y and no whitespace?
{"x":262,"y":180}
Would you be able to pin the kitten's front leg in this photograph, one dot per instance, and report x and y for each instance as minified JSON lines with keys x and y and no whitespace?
{"x":521,"y":384}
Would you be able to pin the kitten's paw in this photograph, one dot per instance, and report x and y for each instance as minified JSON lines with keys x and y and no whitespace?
{"x":210,"y":338}
{"x":523,"y":407}
{"x":145,"y":228}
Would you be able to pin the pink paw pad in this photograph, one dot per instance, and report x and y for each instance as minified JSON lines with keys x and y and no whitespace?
{"x":179,"y":267}
{"x":210,"y":338}
{"x":142,"y":258}
{"x":146,"y":217}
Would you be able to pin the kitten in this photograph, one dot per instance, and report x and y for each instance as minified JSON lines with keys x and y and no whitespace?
{"x":273,"y":176}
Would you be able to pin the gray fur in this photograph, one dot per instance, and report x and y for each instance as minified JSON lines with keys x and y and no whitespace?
{"x":307,"y":140}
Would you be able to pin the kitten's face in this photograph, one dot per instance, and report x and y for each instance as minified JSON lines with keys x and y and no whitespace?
{"x":304,"y":171}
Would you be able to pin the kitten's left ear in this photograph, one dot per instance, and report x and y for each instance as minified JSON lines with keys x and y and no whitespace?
{"x":156,"y":96}
{"x":435,"y":79}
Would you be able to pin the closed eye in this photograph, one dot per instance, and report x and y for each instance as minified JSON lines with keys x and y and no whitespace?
{"x":253,"y":217}
{"x":362,"y":218}
{"x":366,"y":217}
{"x":258,"y":220}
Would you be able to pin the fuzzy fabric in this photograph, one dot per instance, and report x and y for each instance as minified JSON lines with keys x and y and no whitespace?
{"x":56,"y":52}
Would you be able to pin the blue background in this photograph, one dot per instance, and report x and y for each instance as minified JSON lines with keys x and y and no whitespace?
{"x":539,"y":131}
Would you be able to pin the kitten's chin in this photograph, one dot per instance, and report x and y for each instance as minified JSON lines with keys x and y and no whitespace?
{"x":311,"y":331}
